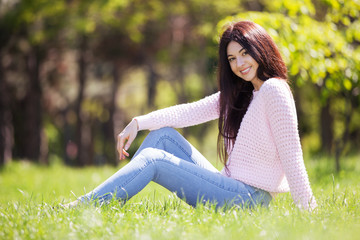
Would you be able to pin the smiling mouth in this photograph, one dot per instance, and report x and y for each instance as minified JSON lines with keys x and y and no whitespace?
{"x":246,"y":70}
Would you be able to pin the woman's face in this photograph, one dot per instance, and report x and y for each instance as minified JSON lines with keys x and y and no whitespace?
{"x":242,"y":64}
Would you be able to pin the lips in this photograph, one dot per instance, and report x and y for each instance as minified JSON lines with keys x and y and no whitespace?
{"x":245,"y":71}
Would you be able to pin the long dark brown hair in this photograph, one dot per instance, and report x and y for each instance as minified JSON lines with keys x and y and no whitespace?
{"x":236,"y":93}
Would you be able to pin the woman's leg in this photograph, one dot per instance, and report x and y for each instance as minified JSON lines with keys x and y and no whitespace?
{"x":171,"y":141}
{"x":189,"y":181}
{"x":167,"y":139}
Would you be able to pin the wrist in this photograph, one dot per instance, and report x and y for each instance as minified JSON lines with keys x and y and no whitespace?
{"x":136,"y":123}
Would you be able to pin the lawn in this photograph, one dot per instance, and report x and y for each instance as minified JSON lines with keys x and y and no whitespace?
{"x":30,"y":194}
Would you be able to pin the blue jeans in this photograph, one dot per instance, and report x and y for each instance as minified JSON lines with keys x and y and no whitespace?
{"x":168,"y":159}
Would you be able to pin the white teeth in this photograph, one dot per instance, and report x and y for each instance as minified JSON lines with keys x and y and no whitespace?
{"x":246,"y":70}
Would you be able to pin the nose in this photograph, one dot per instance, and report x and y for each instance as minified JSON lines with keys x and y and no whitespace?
{"x":239,"y":62}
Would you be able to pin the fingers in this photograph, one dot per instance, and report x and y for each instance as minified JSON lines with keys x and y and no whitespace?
{"x":120,"y":145}
{"x":129,"y":142}
{"x":126,"y":136}
{"x":125,"y":153}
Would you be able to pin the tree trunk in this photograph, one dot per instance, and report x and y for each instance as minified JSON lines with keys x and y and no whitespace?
{"x":152,"y":81}
{"x":5,"y":121}
{"x":326,"y":128}
{"x":109,"y":125}
{"x":82,"y":130}
{"x":32,"y":122}
{"x":341,"y":142}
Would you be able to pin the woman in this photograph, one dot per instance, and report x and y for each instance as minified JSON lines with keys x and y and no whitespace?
{"x":258,"y":139}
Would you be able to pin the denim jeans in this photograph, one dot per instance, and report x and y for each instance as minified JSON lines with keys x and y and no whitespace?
{"x":168,"y":159}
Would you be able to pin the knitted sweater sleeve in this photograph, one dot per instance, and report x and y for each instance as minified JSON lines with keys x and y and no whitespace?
{"x":281,"y":112}
{"x":182,"y":115}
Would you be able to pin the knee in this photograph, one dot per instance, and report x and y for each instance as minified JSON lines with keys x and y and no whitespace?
{"x":152,"y":154}
{"x":166,"y":131}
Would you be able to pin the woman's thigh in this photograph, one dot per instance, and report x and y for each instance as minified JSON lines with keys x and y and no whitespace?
{"x":196,"y":184}
{"x":171,"y":141}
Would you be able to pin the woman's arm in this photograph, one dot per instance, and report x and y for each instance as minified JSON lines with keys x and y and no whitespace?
{"x":282,"y":117}
{"x":182,"y":115}
{"x":178,"y":116}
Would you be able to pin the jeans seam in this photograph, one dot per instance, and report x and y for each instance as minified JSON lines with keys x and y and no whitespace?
{"x":209,"y":181}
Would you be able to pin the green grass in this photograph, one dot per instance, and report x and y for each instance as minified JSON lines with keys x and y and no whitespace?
{"x":28,"y":194}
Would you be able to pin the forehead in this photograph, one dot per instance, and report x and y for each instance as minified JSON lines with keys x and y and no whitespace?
{"x":233,"y":47}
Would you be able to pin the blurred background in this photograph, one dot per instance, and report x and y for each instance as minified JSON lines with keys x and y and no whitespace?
{"x":74,"y":73}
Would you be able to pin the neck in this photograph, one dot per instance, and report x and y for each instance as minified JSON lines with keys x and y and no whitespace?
{"x":257,"y":84}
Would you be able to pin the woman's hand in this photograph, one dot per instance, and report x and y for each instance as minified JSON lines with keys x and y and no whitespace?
{"x":126,"y":136}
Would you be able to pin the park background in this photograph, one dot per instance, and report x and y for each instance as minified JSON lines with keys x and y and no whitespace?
{"x":74,"y":73}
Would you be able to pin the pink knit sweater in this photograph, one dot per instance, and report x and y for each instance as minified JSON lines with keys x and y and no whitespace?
{"x":267,"y":152}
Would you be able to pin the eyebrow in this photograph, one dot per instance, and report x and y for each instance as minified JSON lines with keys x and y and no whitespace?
{"x":239,"y":52}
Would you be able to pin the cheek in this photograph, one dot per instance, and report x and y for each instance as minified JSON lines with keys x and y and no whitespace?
{"x":256,"y":66}
{"x":232,"y":67}
{"x":254,"y":63}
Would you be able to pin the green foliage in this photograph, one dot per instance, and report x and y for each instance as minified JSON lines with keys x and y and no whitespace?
{"x":42,"y":19}
{"x":291,"y":8}
{"x":30,"y":195}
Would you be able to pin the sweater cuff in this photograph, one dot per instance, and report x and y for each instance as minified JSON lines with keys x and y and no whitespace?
{"x":144,"y":122}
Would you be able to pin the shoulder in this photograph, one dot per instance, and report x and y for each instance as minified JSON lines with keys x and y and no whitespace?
{"x":276,"y":87}
{"x":275,"y":84}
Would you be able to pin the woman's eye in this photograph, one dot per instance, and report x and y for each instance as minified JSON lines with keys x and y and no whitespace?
{"x":244,"y":53}
{"x":231,"y":59}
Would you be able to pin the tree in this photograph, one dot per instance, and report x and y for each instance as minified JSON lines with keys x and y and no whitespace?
{"x":6,"y":139}
{"x":31,"y":25}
